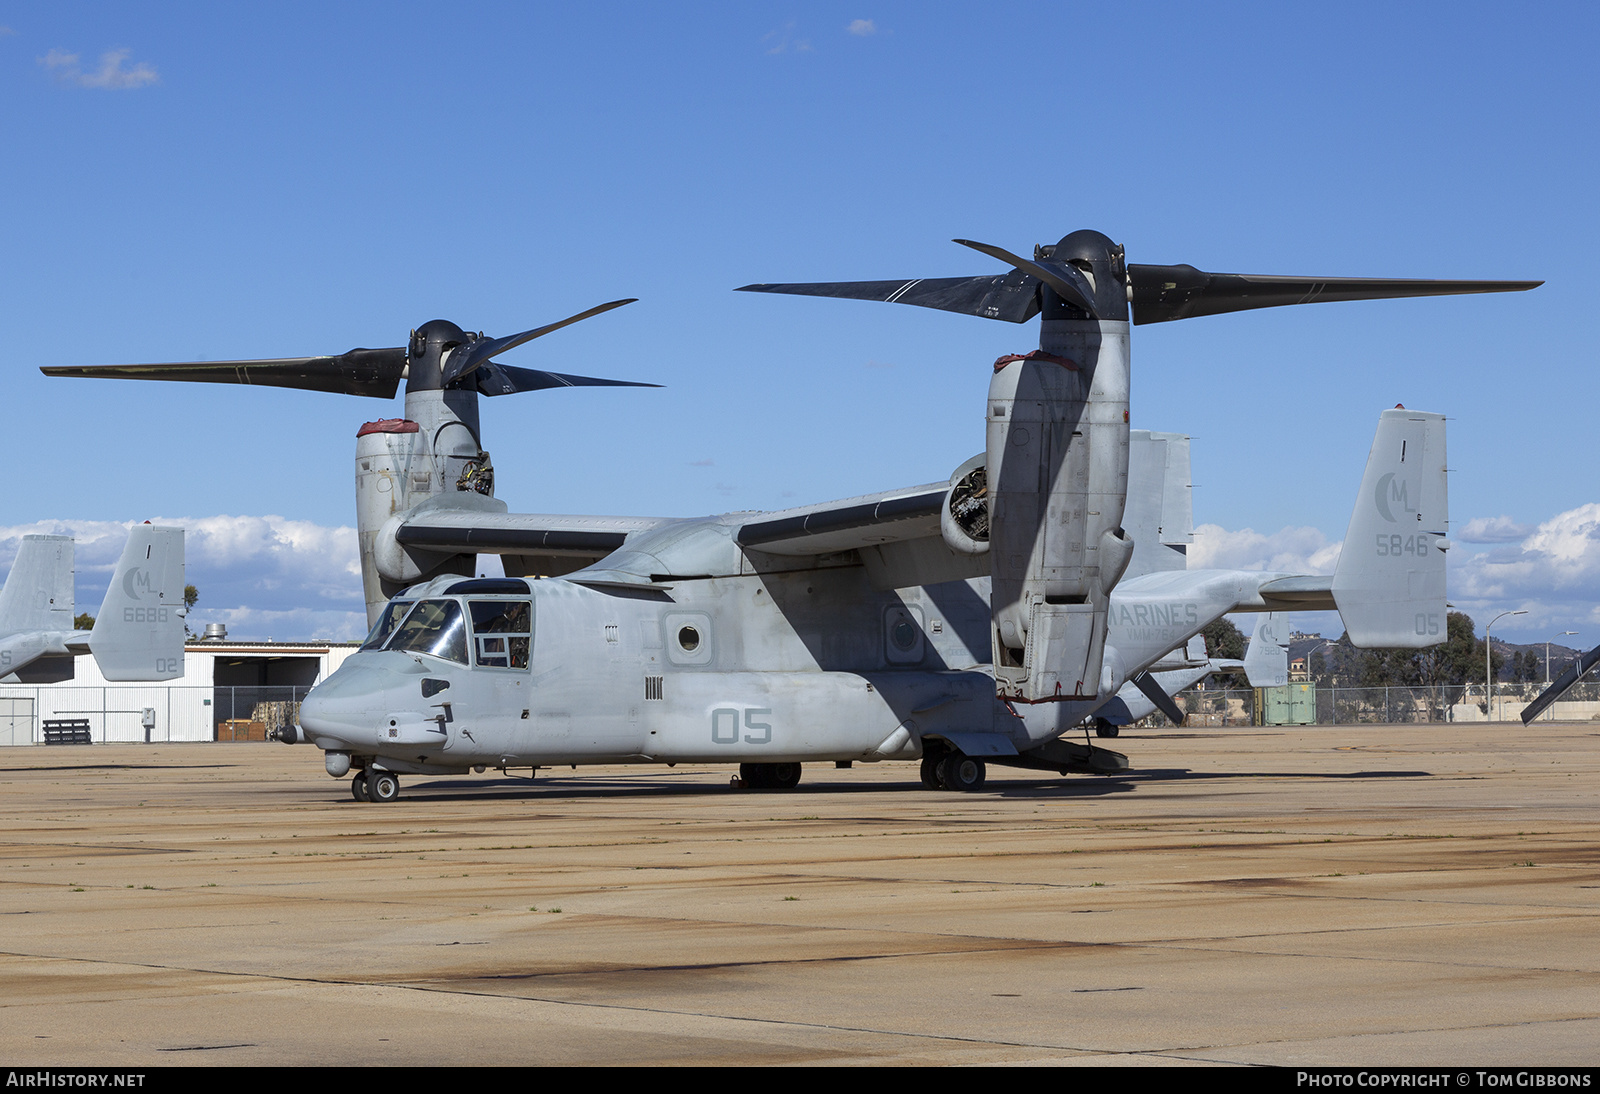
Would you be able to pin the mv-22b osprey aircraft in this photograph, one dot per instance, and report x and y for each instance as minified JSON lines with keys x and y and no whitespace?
{"x":964,"y":622}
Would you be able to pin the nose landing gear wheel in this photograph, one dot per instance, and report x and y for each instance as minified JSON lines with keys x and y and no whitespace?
{"x":959,"y":772}
{"x":383,"y":786}
{"x":358,"y":787}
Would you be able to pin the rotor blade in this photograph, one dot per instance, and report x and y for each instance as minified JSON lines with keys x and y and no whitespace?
{"x":493,"y":378}
{"x":1068,"y":283}
{"x":1559,"y":686}
{"x":1013,"y":297}
{"x":1152,"y":691}
{"x":370,"y":372}
{"x":470,"y":356}
{"x":1164,"y":293}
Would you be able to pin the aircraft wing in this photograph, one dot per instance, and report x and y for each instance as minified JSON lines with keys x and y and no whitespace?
{"x":870,"y":520}
{"x":457,"y":531}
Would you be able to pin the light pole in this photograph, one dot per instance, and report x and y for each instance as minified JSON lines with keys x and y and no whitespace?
{"x":1488,"y":665}
{"x":1547,"y":642}
{"x":1309,"y":674}
{"x":1547,"y":665}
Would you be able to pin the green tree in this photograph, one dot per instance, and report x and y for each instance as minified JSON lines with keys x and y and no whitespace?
{"x":1459,"y":660}
{"x":1446,"y":668}
{"x":1224,"y":640}
{"x":83,"y":621}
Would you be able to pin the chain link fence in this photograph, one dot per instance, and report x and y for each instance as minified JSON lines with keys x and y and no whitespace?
{"x":1445,"y":703}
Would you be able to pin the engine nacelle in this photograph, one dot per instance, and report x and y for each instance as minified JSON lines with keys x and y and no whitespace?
{"x":394,"y":470}
{"x":1057,"y":472}
{"x":964,"y":517}
{"x":430,"y":457}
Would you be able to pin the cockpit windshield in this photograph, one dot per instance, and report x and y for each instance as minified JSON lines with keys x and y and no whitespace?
{"x":436,"y":627}
{"x":388,"y":620}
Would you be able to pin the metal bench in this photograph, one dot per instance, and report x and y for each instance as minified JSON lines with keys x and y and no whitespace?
{"x":67,"y":731}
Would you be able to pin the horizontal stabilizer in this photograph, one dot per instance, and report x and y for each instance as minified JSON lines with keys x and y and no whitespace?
{"x":138,"y":634}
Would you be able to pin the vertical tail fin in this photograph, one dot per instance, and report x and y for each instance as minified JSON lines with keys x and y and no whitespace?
{"x":138,"y":634}
{"x":1159,"y":514}
{"x":1389,"y":584}
{"x":38,"y":593}
{"x":1266,"y":659}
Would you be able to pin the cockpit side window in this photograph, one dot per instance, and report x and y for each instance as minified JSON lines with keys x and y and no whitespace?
{"x":502,"y":632}
{"x":436,"y":627}
{"x":388,"y":620}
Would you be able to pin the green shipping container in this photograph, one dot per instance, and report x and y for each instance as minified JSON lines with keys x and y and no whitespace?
{"x":1286,"y":705}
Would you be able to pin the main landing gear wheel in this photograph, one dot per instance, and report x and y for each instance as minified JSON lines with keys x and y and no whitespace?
{"x":383,"y":786}
{"x":959,"y":772}
{"x":930,"y":773}
{"x":1103,"y":728}
{"x":358,"y":787}
{"x":769,"y":776}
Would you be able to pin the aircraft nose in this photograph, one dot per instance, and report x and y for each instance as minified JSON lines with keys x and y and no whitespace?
{"x":346,"y":706}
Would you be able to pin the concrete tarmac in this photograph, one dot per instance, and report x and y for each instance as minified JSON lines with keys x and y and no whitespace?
{"x":1331,"y":895}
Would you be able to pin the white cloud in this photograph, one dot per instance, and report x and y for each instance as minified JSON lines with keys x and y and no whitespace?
{"x":1290,"y":550}
{"x":263,"y":576}
{"x":110,"y":76}
{"x":1492,"y":530}
{"x":862,"y":28}
{"x":784,"y":41}
{"x":296,"y":624}
{"x":1556,"y":568}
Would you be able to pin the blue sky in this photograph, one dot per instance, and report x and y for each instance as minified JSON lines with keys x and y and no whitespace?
{"x":212,"y":181}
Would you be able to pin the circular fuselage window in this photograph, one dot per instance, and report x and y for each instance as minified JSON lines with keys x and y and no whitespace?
{"x":689,"y":639}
